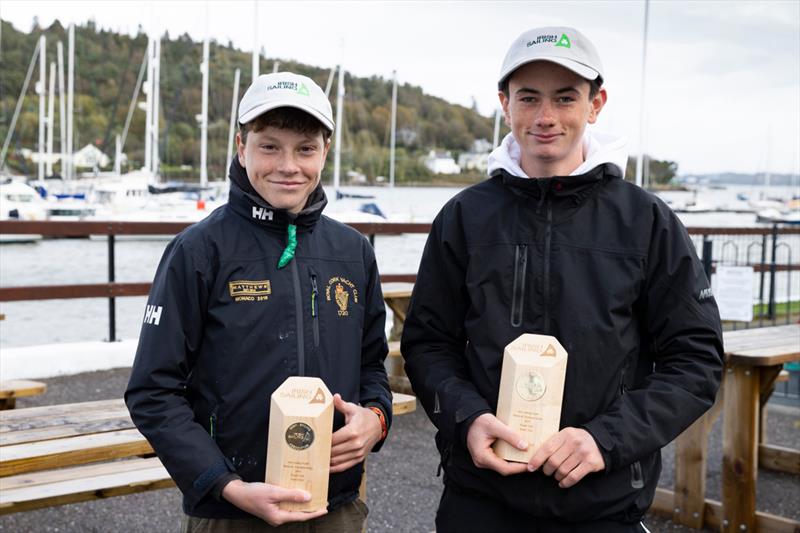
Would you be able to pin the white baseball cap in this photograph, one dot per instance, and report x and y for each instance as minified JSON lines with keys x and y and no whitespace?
{"x":285,"y":89}
{"x":558,"y":44}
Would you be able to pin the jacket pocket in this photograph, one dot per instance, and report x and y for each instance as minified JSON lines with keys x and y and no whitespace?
{"x":518,"y":294}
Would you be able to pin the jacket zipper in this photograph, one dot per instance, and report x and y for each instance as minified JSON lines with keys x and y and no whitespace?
{"x":212,"y":424}
{"x":298,"y":307}
{"x":315,"y":308}
{"x":547,"y":239}
{"x":518,"y":299}
{"x":637,"y":479}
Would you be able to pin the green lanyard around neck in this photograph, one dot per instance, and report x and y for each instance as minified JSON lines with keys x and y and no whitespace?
{"x":291,"y":246}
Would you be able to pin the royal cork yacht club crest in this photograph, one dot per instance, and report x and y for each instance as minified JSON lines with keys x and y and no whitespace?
{"x":343,"y":292}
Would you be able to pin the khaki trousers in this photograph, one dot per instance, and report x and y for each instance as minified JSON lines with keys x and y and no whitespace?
{"x":349,"y":518}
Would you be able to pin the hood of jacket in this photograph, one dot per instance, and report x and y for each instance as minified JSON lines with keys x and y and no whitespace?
{"x":598,"y":149}
{"x":245,"y":201}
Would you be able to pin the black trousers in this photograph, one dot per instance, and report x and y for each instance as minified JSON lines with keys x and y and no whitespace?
{"x":467,"y":512}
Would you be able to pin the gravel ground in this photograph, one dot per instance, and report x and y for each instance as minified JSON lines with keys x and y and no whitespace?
{"x":403,"y":489}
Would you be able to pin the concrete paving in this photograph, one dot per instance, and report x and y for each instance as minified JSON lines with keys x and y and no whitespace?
{"x":403,"y":490}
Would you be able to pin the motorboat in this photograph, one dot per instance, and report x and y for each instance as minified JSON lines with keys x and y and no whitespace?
{"x":19,"y":201}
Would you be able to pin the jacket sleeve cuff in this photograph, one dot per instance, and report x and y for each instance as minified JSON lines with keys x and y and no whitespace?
{"x":203,"y":485}
{"x":219,"y":486}
{"x":462,"y":428}
{"x":605,"y":442}
{"x":457,"y":402}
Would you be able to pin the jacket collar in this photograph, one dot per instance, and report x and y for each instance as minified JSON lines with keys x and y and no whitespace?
{"x":245,"y":201}
{"x":566,"y":192}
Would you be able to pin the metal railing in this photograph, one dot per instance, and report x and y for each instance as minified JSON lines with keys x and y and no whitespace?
{"x":772,"y":252}
{"x":767,"y":250}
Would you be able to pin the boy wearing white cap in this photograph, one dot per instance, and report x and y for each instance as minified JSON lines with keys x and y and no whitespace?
{"x":555,"y":242}
{"x":241,"y":301}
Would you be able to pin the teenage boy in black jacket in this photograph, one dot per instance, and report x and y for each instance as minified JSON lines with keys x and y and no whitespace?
{"x":557,"y":243}
{"x":264,"y":288}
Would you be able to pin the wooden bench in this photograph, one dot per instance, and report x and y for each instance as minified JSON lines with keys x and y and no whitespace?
{"x":753,"y":361}
{"x":100,"y":453}
{"x":17,"y":388}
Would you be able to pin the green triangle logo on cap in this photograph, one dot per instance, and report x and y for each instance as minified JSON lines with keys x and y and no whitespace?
{"x":564,"y":41}
{"x":302,"y":89}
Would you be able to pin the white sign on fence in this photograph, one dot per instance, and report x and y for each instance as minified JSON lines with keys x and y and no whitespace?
{"x":733,"y":290}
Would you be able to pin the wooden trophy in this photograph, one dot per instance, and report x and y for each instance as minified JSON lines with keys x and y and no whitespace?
{"x":531,"y":391}
{"x":299,"y":446}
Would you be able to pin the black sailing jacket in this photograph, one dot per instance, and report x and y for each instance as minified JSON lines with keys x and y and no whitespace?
{"x":206,"y":367}
{"x":607,"y":269}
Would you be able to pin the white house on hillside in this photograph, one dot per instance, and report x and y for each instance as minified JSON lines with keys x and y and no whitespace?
{"x":474,"y":161}
{"x":90,"y":156}
{"x":441,"y":163}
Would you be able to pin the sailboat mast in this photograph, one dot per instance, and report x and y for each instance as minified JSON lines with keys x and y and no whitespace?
{"x":117,"y":155}
{"x":204,"y":117}
{"x":337,"y":148}
{"x":330,"y":81}
{"x":394,"y":129}
{"x":496,"y":140}
{"x":156,"y":113}
{"x":148,"y":113}
{"x":255,"y":40}
{"x":51,"y":105}
{"x":135,"y":99}
{"x":640,"y":159}
{"x":70,"y":96}
{"x":15,"y":116}
{"x":61,"y":106}
{"x":40,"y":88}
{"x":232,"y":128}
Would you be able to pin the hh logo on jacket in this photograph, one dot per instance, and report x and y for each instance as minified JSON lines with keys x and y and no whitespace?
{"x":152,"y":314}
{"x":262,"y":214}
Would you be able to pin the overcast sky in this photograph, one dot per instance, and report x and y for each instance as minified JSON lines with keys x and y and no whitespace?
{"x":722,"y":84}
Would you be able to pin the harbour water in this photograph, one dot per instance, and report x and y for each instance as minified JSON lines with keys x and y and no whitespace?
{"x":72,"y":261}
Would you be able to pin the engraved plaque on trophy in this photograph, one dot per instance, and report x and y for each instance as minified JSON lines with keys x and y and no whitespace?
{"x":299,"y":446}
{"x":531,"y":391}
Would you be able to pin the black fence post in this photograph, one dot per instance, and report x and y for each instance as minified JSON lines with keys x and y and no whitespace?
{"x":112,"y":307}
{"x":708,"y":246}
{"x":773,"y":267}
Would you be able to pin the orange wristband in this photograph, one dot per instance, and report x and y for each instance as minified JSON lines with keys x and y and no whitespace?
{"x":382,"y":418}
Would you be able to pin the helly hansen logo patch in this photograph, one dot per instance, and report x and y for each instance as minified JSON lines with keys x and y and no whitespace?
{"x":152,"y":314}
{"x":705,"y":294}
{"x":262,"y":213}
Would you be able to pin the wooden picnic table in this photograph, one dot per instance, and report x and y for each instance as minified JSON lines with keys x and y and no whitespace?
{"x":12,"y":389}
{"x":68,"y":453}
{"x":397,"y":297}
{"x":753,"y":361}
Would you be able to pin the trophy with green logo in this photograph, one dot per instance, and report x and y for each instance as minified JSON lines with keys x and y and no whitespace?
{"x":299,"y":446}
{"x":531,"y":391}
